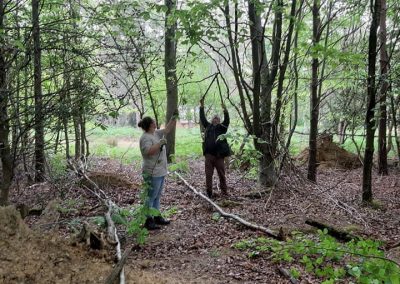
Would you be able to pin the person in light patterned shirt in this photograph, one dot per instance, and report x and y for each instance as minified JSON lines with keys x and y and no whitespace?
{"x":154,"y":165}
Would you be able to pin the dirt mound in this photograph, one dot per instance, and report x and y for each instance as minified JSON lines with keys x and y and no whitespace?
{"x":109,"y":180}
{"x":29,"y":257}
{"x":331,"y":155}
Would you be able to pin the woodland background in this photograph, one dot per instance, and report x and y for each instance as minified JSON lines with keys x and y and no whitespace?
{"x":312,"y":88}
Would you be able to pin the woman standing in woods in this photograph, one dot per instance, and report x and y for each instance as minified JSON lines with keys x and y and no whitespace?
{"x":215,"y":150}
{"x":154,"y":166}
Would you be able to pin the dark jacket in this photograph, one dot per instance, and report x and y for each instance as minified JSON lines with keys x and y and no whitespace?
{"x":211,"y":145}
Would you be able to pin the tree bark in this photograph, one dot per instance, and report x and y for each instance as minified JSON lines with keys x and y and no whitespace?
{"x":314,"y":98}
{"x":171,"y":79}
{"x":394,"y":107}
{"x":371,"y":91}
{"x":342,"y":131}
{"x":5,"y":149}
{"x":38,"y":96}
{"x":384,"y":64}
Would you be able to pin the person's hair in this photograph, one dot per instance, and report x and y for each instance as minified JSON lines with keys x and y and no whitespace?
{"x":145,"y":123}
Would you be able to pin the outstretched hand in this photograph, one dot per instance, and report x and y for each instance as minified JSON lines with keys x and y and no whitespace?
{"x":202,"y":102}
{"x":163,"y":142}
{"x":175,"y":115}
{"x":223,"y":106}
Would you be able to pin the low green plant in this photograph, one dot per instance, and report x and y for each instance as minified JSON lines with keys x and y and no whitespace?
{"x":170,"y":212}
{"x":57,"y":167}
{"x":328,"y":259}
{"x":139,"y":216}
{"x":245,"y":157}
{"x":216,"y":216}
{"x":181,"y":166}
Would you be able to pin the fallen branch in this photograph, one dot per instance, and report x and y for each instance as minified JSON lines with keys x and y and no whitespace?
{"x":395,"y":245}
{"x":286,"y":273}
{"x":340,"y":235}
{"x":119,"y":267}
{"x":232,"y":216}
{"x":111,"y":229}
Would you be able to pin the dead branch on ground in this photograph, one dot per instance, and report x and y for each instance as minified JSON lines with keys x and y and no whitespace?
{"x":232,"y":216}
{"x":107,"y":203}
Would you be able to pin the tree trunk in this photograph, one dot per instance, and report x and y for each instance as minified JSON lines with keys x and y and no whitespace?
{"x":342,"y":131}
{"x":395,"y":125}
{"x":384,"y":64}
{"x":314,"y":98}
{"x":281,"y":79}
{"x":77,"y":131}
{"x":39,"y":119}
{"x":371,"y":91}
{"x":171,"y":80}
{"x":5,"y":151}
{"x":263,"y":82}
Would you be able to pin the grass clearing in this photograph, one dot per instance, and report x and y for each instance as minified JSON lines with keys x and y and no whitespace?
{"x":122,"y":143}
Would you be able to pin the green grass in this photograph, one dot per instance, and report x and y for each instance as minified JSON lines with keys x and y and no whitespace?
{"x":121,"y":143}
{"x":111,"y":131}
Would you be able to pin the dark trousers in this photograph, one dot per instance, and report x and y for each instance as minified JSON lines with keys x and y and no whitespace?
{"x":219,"y":164}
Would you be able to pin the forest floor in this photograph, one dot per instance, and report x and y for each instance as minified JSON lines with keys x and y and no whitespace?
{"x":196,"y":247}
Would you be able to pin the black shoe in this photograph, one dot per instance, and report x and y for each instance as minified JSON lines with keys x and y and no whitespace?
{"x":161,"y":221}
{"x":150,"y":224}
{"x":224,"y":193}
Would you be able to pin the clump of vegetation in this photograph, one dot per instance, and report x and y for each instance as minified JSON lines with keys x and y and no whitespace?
{"x":362,"y":261}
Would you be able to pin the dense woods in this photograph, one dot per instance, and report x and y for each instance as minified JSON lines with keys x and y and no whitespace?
{"x":323,"y":71}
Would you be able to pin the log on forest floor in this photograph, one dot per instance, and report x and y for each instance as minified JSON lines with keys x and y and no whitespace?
{"x":334,"y":232}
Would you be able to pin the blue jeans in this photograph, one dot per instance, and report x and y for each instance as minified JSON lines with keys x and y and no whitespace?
{"x":154,"y":190}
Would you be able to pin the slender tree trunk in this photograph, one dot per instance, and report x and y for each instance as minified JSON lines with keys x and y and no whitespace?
{"x":295,"y":104}
{"x":5,"y":150}
{"x":314,"y":98}
{"x":39,"y":119}
{"x":170,"y":72}
{"x":342,"y":131}
{"x":82,"y":126}
{"x":390,"y":137}
{"x":281,"y":78}
{"x":371,"y":90}
{"x":77,"y":132}
{"x":26,"y":131}
{"x":395,"y":125}
{"x":384,"y":63}
{"x":235,"y":68}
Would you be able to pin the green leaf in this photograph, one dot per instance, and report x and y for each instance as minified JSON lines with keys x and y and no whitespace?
{"x":119,"y":219}
{"x":216,"y":216}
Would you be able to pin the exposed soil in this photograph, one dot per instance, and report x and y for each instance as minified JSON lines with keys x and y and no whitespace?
{"x":195,"y":247}
{"x":331,"y":155}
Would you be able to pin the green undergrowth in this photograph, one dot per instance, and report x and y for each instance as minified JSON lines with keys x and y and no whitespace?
{"x":360,"y":261}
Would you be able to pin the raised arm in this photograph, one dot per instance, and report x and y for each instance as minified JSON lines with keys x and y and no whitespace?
{"x":226,"y":117}
{"x":203,"y":118}
{"x":170,"y":125}
{"x":172,"y":122}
